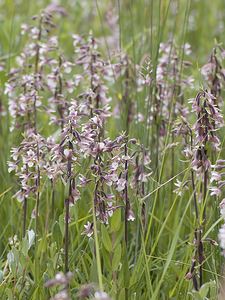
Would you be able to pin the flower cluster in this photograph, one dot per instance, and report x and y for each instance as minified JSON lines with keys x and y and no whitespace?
{"x":214,"y":73}
{"x":209,"y":120}
{"x":142,"y":170}
{"x":200,"y":141}
{"x":170,"y":84}
{"x":217,"y":181}
{"x":31,"y":78}
{"x":89,"y":290}
{"x":95,"y":71}
{"x":217,"y":185}
{"x":82,"y":120}
{"x":63,"y":281}
{"x":29,"y":163}
{"x":71,"y":98}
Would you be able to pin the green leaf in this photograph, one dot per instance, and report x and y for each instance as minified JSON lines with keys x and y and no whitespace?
{"x":1,"y":276}
{"x":213,"y":290}
{"x":93,"y":273}
{"x":106,"y":260}
{"x":122,"y":294}
{"x":11,"y":261}
{"x":31,"y":237}
{"x":57,"y":233}
{"x":125,"y":270}
{"x":24,"y":246}
{"x":116,"y":220}
{"x":62,"y":224}
{"x":119,"y":235}
{"x":9,"y":294}
{"x":196,"y":295}
{"x":116,"y":257}
{"x":106,"y":239}
{"x":204,"y":290}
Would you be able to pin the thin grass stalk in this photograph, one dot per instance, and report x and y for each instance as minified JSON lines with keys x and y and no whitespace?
{"x":24,"y":217}
{"x":195,"y":197}
{"x":199,"y":241}
{"x":193,"y":182}
{"x":37,"y":195}
{"x":205,"y":183}
{"x":159,"y":179}
{"x":97,"y":251}
{"x":174,"y":95}
{"x":66,"y":237}
{"x":127,"y":205}
{"x":24,"y":212}
{"x":53,"y":199}
{"x":58,"y":92}
{"x":67,"y":207}
{"x":38,"y":48}
{"x":35,"y":129}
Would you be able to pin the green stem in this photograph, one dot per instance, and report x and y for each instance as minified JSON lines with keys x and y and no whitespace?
{"x":98,"y":259}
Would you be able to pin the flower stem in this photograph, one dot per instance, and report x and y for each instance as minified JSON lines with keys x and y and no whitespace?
{"x":24,"y":216}
{"x":98,"y":259}
{"x":66,"y":245}
{"x":127,"y":206}
{"x":67,"y":207}
{"x":37,"y":196}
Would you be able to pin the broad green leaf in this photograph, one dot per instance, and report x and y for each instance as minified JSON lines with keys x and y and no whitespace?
{"x":31,"y":237}
{"x":116,"y":220}
{"x":106,"y":239}
{"x":106,"y":260}
{"x":62,"y":223}
{"x":116,"y":257}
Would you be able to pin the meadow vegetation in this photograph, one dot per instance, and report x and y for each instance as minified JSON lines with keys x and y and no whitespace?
{"x":112,"y":149}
